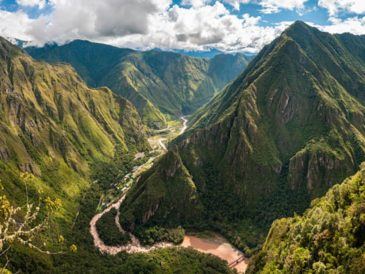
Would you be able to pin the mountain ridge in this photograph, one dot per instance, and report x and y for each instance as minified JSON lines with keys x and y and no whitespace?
{"x":281,"y":134}
{"x":160,"y":84}
{"x":54,"y":127}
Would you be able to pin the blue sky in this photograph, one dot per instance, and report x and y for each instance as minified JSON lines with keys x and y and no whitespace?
{"x":228,"y":25}
{"x":313,"y":13}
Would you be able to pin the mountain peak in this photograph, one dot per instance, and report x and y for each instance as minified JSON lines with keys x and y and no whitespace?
{"x":299,"y":24}
{"x":298,"y":30}
{"x":7,"y":48}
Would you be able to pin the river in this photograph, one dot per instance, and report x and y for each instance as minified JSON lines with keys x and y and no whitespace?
{"x":220,"y":247}
{"x":215,"y":245}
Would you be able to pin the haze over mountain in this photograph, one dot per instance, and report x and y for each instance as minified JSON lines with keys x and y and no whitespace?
{"x":285,"y":131}
{"x":158,"y":83}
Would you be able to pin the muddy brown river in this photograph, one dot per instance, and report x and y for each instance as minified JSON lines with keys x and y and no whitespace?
{"x":218,"y":246}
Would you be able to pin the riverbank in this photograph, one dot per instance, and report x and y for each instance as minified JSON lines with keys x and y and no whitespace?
{"x":220,"y":247}
{"x":215,"y":245}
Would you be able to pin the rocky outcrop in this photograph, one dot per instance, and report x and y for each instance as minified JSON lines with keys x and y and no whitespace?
{"x":30,"y":167}
{"x":4,"y":154}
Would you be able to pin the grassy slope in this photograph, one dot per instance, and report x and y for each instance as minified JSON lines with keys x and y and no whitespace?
{"x":56,"y":127}
{"x":281,"y":134}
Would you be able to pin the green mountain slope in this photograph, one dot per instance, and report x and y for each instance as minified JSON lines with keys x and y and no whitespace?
{"x":328,"y":238}
{"x":55,"y":127}
{"x":156,"y":82}
{"x":280,"y":135}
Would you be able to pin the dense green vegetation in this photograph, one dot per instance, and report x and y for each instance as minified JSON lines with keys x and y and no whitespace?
{"x":328,"y":238}
{"x":158,"y":83}
{"x":108,"y":230}
{"x":280,"y":135}
{"x":170,"y":260}
{"x":55,"y":127}
{"x":155,"y":234}
{"x":77,"y":142}
{"x":277,"y":138}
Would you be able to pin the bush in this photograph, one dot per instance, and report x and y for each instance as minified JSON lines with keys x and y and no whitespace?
{"x":151,"y":235}
{"x":108,"y":230}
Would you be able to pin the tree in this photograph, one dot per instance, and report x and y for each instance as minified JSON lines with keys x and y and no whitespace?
{"x":23,"y":224}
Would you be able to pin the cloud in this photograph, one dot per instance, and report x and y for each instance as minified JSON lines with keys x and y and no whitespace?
{"x":355,"y":25}
{"x":200,"y":28}
{"x":146,"y":24}
{"x":32,"y":3}
{"x":14,"y":25}
{"x":336,"y":6}
{"x":273,"y":6}
{"x":91,"y":19}
{"x":142,"y":24}
{"x":270,"y":6}
{"x":236,"y":3}
{"x":195,"y":3}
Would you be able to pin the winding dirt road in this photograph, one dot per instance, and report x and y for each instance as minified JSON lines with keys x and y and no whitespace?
{"x":134,"y":245}
{"x":185,"y":125}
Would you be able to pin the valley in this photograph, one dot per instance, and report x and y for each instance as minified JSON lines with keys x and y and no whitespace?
{"x":225,"y":142}
{"x":208,"y":243}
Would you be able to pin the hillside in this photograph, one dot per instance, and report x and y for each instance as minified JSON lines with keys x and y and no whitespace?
{"x":285,"y":131}
{"x":55,"y":127}
{"x":76,"y":142}
{"x":328,"y":238}
{"x":160,"y":84}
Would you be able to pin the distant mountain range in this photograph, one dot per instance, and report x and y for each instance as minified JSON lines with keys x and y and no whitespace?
{"x":160,"y":84}
{"x":285,"y":131}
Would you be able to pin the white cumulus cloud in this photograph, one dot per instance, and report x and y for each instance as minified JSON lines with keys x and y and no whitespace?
{"x":32,"y":3}
{"x":146,"y":24}
{"x":273,"y":6}
{"x":199,"y":28}
{"x":270,"y":6}
{"x":354,"y":25}
{"x":336,"y":6}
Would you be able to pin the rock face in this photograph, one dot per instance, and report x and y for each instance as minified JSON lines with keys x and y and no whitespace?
{"x":281,"y":134}
{"x":157,"y":82}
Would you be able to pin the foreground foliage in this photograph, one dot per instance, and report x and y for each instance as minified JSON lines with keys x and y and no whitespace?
{"x":328,"y":238}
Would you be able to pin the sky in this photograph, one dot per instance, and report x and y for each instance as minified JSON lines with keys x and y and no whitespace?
{"x":194,"y":25}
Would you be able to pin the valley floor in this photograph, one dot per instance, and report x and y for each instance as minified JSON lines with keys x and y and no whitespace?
{"x":211,"y":244}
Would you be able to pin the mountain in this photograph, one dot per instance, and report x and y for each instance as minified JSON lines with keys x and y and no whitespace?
{"x":205,"y":53}
{"x":76,"y":142}
{"x":285,"y":131}
{"x":328,"y":238}
{"x":55,"y":127}
{"x":158,"y":83}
